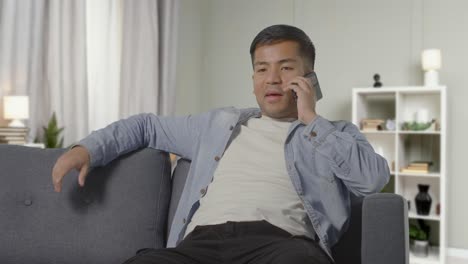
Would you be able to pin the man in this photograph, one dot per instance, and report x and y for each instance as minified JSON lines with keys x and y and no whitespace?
{"x":268,"y":185}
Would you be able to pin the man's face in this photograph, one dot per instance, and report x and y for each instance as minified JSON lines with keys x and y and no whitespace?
{"x":274,"y":66}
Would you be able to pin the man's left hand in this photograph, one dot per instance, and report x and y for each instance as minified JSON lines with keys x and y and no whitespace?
{"x":305,"y":98}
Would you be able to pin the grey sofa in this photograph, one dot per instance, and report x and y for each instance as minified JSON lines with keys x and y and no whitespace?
{"x":128,"y":205}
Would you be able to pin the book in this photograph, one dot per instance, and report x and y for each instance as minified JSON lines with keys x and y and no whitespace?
{"x":418,"y":162}
{"x":13,"y":137}
{"x":405,"y":170}
{"x":372,"y":124}
{"x":415,"y":169}
{"x":13,"y":142}
{"x":420,"y":167}
{"x":14,"y":129}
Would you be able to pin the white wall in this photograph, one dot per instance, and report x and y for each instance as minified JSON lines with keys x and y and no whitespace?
{"x":354,"y":40}
{"x":446,"y":26}
{"x":190,"y":56}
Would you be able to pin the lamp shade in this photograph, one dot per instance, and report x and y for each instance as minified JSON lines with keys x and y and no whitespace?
{"x":16,"y":107}
{"x":431,"y":59}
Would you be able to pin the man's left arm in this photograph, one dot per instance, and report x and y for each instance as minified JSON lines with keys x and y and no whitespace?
{"x":351,"y":157}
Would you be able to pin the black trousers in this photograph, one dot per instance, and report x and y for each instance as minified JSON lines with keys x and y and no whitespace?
{"x":257,"y":242}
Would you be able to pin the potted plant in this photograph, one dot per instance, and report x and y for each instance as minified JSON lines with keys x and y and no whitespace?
{"x":51,"y":134}
{"x":420,"y":239}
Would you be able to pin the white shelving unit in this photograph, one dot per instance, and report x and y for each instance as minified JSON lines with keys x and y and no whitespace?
{"x":400,"y":147}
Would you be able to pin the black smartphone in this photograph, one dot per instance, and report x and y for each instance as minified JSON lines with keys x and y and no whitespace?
{"x":313,"y":79}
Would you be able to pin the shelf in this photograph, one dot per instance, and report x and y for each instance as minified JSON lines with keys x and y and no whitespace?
{"x":421,"y":90}
{"x":432,"y":258}
{"x":378,"y":132}
{"x":366,"y":91}
{"x":401,"y":132}
{"x":410,"y":132}
{"x":400,"y":89}
{"x":401,"y":148}
{"x":413,"y":215}
{"x":430,"y":174}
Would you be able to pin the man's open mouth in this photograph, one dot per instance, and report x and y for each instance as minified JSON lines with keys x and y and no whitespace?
{"x":273,"y":96}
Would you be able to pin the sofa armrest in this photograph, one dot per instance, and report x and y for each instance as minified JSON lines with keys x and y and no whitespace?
{"x":385,"y":229}
{"x":121,"y":209}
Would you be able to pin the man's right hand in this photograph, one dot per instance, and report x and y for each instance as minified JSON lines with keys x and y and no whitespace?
{"x":76,"y":158}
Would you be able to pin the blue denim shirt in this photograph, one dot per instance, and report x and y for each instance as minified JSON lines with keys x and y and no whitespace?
{"x":325,"y":160}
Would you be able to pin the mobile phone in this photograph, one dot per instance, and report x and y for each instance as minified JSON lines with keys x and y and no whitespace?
{"x":313,"y":79}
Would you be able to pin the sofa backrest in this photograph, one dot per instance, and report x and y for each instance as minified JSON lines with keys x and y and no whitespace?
{"x":347,"y":250}
{"x":107,"y":221}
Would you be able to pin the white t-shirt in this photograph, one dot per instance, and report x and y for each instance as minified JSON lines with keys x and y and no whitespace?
{"x":251,"y":182}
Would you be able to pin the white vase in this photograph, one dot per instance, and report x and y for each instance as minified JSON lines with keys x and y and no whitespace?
{"x":421,"y":248}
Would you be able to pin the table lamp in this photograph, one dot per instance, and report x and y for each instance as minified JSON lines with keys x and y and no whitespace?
{"x":16,"y":108}
{"x":431,"y":62}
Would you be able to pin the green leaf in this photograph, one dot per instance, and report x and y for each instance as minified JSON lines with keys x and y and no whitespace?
{"x":52,"y":133}
{"x":416,"y":233}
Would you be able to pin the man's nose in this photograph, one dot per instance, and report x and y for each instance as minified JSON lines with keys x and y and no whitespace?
{"x":273,"y":77}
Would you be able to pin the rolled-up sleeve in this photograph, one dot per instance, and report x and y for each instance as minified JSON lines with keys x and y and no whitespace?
{"x":352,"y":158}
{"x":177,"y":135}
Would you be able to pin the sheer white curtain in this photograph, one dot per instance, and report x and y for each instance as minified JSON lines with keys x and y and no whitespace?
{"x":91,"y":62}
{"x":42,"y":55}
{"x":20,"y":48}
{"x":149,"y":44}
{"x":104,"y":48}
{"x":65,"y":87}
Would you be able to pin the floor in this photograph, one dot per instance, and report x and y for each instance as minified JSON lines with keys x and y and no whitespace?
{"x":454,"y":260}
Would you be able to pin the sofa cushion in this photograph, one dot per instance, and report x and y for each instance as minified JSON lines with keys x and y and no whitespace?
{"x":122,"y":208}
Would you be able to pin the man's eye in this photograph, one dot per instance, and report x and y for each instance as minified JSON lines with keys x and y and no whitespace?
{"x":288,"y":68}
{"x":261,"y":70}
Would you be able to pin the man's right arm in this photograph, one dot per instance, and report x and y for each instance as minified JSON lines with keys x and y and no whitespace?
{"x":177,"y":135}
{"x":172,"y":134}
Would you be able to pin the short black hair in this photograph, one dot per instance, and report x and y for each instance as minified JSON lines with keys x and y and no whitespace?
{"x":279,"y":33}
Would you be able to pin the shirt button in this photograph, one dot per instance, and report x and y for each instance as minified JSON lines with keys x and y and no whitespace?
{"x":27,"y":202}
{"x":313,"y":134}
{"x":203,"y":192}
{"x":231,"y":127}
{"x":217,"y":158}
{"x":184,"y":221}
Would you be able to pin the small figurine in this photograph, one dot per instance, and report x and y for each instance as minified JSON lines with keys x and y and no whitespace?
{"x":377,"y":82}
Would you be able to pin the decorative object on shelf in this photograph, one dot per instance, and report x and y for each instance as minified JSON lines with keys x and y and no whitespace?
{"x":16,"y":108}
{"x":419,"y":237}
{"x":418,"y":121}
{"x":423,"y":200}
{"x":377,"y":83}
{"x":438,"y":209}
{"x":431,"y":62}
{"x":390,"y":124}
{"x":13,"y":135}
{"x":422,"y":116}
{"x":415,"y":126}
{"x":372,"y":124}
{"x":52,"y":133}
